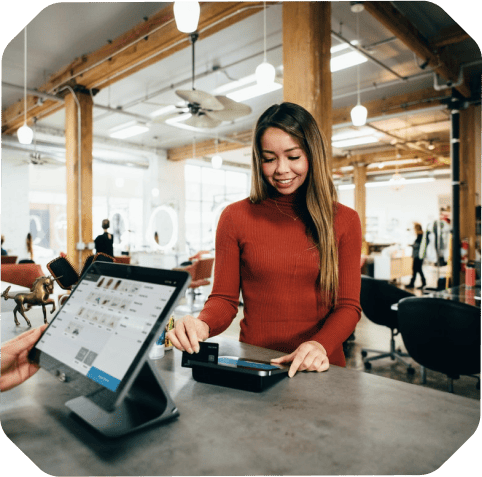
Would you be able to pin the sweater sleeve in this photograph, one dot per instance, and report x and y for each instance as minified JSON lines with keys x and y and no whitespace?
{"x":222,"y":305}
{"x":341,"y":322}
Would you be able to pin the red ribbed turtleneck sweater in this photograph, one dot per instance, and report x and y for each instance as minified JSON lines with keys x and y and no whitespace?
{"x":263,"y":251}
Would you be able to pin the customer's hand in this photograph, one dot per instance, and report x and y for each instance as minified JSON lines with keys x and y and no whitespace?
{"x":309,"y":356}
{"x":15,"y":366}
{"x":187,"y":333}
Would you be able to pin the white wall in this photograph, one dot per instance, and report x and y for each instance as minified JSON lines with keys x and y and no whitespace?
{"x":412,"y":203}
{"x":15,"y":204}
{"x":18,"y":178}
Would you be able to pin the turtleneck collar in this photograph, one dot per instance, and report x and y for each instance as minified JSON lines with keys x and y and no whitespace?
{"x":289,"y":200}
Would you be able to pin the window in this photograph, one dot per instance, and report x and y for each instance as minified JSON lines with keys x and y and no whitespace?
{"x":208,"y":191}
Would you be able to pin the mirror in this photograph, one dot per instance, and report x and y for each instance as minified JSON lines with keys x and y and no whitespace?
{"x":162,"y":231}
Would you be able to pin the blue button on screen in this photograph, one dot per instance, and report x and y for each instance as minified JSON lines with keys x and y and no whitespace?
{"x":105,"y":379}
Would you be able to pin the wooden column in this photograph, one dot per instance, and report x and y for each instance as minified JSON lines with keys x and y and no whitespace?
{"x":469,"y":174}
{"x":306,"y":61}
{"x":360,"y":178}
{"x":79,"y":175}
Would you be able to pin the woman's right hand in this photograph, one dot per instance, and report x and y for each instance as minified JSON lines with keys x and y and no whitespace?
{"x":187,"y":333}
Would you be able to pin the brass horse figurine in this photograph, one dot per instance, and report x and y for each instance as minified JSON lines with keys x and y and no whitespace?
{"x":39,"y":295}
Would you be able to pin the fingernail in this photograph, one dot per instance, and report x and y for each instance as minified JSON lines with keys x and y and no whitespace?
{"x":196,"y":349}
{"x":190,"y":351}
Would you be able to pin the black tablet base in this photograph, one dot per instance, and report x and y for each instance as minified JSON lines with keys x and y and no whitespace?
{"x":146,"y":403}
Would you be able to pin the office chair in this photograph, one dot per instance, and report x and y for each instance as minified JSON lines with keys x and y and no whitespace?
{"x":376,"y":299}
{"x":200,"y":272}
{"x":442,"y":335}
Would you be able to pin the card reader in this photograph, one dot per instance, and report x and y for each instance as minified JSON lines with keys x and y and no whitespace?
{"x":230,"y":371}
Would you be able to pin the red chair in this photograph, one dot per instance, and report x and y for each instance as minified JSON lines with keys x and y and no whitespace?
{"x":122,"y":259}
{"x":9,"y":259}
{"x":22,"y":274}
{"x":200,"y":272}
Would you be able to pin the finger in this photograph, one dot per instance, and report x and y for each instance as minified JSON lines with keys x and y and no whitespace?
{"x":316,"y":364}
{"x":192,"y":334}
{"x":297,"y":360}
{"x":283,"y":359}
{"x":23,"y":335}
{"x":182,"y":338}
{"x":171,"y":335}
{"x":325,"y":365}
{"x":307,"y":363}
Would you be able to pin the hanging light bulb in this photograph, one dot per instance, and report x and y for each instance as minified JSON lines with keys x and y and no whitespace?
{"x":217,"y":161}
{"x":24,"y":133}
{"x":186,"y":15}
{"x":265,"y":72}
{"x":359,"y":113}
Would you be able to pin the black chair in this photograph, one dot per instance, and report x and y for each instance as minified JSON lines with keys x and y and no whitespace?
{"x":376,"y":299}
{"x":442,"y":335}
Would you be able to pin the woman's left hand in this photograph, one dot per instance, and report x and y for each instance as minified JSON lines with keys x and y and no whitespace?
{"x":309,"y":356}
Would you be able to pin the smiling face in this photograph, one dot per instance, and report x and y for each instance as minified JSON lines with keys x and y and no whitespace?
{"x":284,"y":163}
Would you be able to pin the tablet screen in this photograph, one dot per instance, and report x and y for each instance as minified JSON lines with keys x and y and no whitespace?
{"x":100,"y":332}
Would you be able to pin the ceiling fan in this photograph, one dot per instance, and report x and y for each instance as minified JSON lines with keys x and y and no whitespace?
{"x":207,"y":110}
{"x":37,"y":158}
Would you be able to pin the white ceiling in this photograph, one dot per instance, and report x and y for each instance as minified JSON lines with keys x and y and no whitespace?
{"x":64,"y":31}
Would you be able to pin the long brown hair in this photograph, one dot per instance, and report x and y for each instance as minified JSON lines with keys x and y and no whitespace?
{"x":320,"y":197}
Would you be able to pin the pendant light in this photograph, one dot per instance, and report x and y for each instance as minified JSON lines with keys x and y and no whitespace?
{"x":358,"y":113}
{"x":186,"y":15}
{"x":265,"y":72}
{"x":24,"y":133}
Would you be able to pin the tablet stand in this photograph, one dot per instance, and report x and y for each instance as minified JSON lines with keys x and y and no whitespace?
{"x":147,"y":402}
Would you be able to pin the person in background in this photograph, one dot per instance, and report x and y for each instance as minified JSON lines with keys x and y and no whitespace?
{"x":15,"y":366}
{"x":105,"y":243}
{"x":292,"y":250}
{"x":4,"y":252}
{"x":418,"y":253}
{"x":29,"y":244}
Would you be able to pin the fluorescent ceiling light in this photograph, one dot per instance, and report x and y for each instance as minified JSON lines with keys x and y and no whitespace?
{"x":342,"y":46}
{"x":177,"y":119}
{"x":346,"y":61}
{"x":406,"y":181}
{"x":352,"y":133}
{"x":253,"y":91}
{"x":358,"y":141}
{"x":386,"y":183}
{"x":163,"y":110}
{"x":129,"y":129}
{"x":178,"y":122}
{"x":345,"y":186}
{"x":236,"y":84}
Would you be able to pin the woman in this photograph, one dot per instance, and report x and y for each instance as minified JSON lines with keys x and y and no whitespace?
{"x":292,"y":250}
{"x":105,"y":243}
{"x":418,"y":253}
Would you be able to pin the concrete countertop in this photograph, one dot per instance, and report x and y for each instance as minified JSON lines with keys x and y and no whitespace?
{"x":338,"y":422}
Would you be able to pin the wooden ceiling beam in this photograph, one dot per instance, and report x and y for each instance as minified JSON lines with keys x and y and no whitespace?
{"x":400,"y":26}
{"x":209,"y":147}
{"x":146,"y":44}
{"x":391,"y":155}
{"x":449,"y":36}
